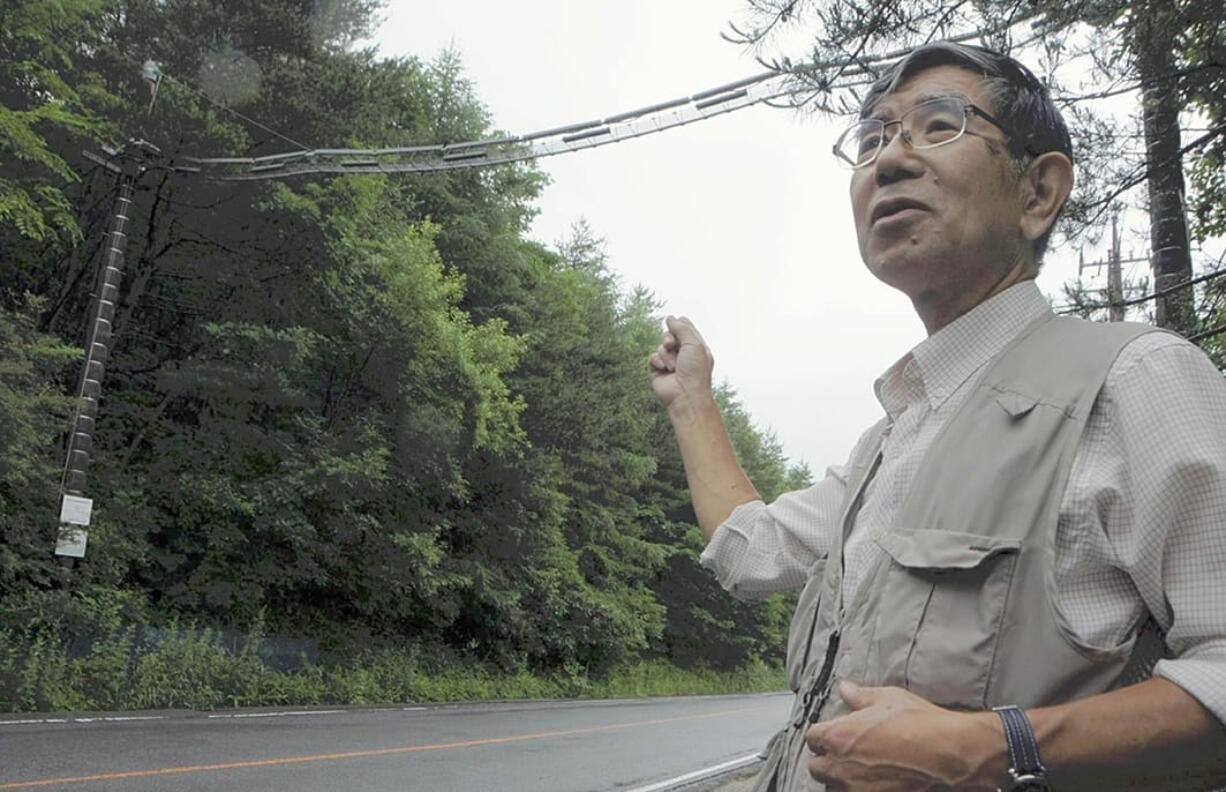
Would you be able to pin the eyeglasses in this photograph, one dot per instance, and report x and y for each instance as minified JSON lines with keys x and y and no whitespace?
{"x":929,"y":124}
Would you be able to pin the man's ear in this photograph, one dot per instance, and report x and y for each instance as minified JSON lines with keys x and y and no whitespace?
{"x":1046,"y":185}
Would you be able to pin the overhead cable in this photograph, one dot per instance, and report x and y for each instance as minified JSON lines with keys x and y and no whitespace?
{"x":615,"y":128}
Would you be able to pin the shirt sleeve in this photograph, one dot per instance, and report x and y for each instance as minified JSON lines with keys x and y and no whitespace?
{"x":766,"y":549}
{"x":1170,"y":413}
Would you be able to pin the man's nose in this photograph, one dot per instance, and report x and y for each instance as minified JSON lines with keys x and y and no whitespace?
{"x":897,"y":159}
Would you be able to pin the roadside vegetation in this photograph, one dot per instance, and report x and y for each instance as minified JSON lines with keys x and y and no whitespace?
{"x":363,"y":411}
{"x":195,"y":669}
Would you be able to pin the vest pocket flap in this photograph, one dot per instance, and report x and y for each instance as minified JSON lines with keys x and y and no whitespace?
{"x":1016,"y":404}
{"x":936,"y":550}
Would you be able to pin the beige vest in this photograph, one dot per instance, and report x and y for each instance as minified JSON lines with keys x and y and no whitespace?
{"x":960,"y":608}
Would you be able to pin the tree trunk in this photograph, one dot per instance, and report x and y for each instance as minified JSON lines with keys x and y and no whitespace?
{"x":1170,"y":260}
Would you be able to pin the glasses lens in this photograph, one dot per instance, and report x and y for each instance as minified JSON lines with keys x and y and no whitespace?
{"x":858,"y":145}
{"x":936,"y":122}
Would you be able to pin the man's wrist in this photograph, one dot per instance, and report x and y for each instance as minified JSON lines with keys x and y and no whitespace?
{"x":987,"y":752}
{"x":689,"y":409}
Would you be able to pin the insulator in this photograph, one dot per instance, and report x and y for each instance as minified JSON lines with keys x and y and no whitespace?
{"x":562,"y":130}
{"x":721,"y":99}
{"x":655,"y":108}
{"x":452,"y":156}
{"x":584,"y":135}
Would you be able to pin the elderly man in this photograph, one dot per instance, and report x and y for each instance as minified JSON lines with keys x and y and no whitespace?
{"x":1018,"y":580}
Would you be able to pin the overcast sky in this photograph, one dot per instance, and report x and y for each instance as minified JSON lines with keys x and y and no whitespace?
{"x":741,"y":222}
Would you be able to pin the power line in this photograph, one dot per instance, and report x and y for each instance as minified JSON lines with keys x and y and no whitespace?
{"x":237,"y":114}
{"x":1138,"y":300}
{"x":154,"y":74}
{"x":614,"y":128}
{"x":1212,"y":331}
{"x":658,"y":117}
{"x":1195,"y":337}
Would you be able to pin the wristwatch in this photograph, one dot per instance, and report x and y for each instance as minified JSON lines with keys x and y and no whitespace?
{"x":1026,"y":772}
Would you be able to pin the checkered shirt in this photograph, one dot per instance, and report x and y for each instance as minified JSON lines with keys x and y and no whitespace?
{"x":1142,"y":525}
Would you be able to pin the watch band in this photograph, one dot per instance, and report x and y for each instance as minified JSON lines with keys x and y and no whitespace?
{"x":1026,"y":772}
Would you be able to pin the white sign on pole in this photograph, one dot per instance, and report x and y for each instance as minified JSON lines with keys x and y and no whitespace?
{"x":75,"y":510}
{"x":71,"y":542}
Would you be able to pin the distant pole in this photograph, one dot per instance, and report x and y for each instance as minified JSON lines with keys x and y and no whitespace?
{"x":75,"y":509}
{"x":1115,"y":280}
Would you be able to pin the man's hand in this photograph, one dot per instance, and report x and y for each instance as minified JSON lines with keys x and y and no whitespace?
{"x":895,"y":740}
{"x":681,"y":366}
{"x":681,"y":378}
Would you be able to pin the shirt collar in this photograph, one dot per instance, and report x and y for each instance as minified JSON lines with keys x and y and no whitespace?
{"x":939,"y":364}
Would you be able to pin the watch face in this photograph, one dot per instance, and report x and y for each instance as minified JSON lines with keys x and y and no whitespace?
{"x":1029,"y":783}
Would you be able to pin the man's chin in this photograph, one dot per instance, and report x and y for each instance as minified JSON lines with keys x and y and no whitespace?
{"x":907,"y":271}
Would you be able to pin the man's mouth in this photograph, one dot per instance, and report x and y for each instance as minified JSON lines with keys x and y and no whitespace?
{"x":890,"y":207}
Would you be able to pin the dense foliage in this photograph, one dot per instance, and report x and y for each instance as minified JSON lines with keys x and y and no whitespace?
{"x":359,"y":409}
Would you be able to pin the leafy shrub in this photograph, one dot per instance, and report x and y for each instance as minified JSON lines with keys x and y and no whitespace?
{"x":193,"y":668}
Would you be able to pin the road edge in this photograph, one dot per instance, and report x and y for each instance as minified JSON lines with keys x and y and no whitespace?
{"x":708,"y":779}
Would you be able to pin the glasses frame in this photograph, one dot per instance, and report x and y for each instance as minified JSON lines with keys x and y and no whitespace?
{"x":968,"y":109}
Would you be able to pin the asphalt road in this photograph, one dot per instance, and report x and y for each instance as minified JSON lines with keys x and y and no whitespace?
{"x":563,"y":746}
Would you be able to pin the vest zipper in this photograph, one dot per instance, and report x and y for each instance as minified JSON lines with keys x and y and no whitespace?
{"x":825,"y":680}
{"x":816,"y":695}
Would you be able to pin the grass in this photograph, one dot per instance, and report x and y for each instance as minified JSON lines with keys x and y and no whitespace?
{"x":192,"y":669}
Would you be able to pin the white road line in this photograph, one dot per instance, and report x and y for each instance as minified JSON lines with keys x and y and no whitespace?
{"x":412,"y":709}
{"x":100,"y":718}
{"x":705,"y":772}
{"x":126,"y":718}
{"x":276,"y":714}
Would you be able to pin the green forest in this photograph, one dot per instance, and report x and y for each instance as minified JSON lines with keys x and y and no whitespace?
{"x":365,"y":416}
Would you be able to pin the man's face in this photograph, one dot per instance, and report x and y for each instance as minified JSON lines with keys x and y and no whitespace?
{"x":944,"y":221}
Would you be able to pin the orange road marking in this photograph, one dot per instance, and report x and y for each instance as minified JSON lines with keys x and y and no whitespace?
{"x":287,"y":760}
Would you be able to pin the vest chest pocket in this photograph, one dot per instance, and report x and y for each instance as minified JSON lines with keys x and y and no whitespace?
{"x":939,"y":612}
{"x":800,"y":634}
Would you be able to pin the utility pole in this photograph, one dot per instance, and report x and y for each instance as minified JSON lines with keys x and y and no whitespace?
{"x":1115,"y":280}
{"x":128,"y":163}
{"x":1116,"y":305}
